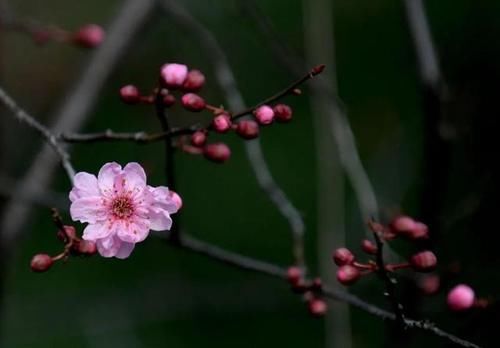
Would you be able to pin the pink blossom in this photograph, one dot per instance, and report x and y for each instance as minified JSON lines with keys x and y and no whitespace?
{"x":264,"y":114}
{"x":173,"y":74}
{"x":120,"y":208}
{"x":461,"y":297}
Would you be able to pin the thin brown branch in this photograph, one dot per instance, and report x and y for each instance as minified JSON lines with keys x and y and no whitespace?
{"x":47,"y":135}
{"x":246,"y":263}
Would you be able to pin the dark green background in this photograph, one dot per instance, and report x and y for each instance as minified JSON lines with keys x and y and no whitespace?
{"x":161,"y":296}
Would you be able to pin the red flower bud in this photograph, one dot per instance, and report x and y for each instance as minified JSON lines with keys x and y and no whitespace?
{"x":317,"y":307}
{"x":217,"y":152}
{"x":419,"y":231}
{"x":41,"y":263}
{"x":423,"y":261}
{"x":248,"y":129}
{"x":198,"y":138}
{"x":90,"y":35}
{"x":222,"y":123}
{"x":130,"y":94}
{"x":69,"y":232}
{"x":368,"y":247}
{"x":193,"y":102}
{"x":86,"y":247}
{"x":264,"y":114}
{"x":402,"y":224}
{"x":343,"y":256}
{"x":282,"y":113}
{"x":294,"y":275}
{"x":348,"y":274}
{"x":194,"y":81}
{"x":168,"y":100}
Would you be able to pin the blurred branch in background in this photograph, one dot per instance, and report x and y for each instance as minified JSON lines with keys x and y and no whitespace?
{"x":227,"y":83}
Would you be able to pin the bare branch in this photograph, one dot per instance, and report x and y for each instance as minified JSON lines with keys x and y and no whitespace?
{"x":227,"y":82}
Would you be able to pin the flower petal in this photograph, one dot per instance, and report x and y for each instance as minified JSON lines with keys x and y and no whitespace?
{"x":134,"y":232}
{"x":106,"y":177}
{"x":88,"y":209}
{"x":84,"y":185}
{"x":96,"y":231}
{"x":125,"y":250}
{"x":109,"y":246}
{"x":162,"y":200}
{"x":160,"y":221}
{"x":134,"y":177}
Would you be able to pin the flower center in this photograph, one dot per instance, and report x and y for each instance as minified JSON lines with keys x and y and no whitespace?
{"x":122,"y":207}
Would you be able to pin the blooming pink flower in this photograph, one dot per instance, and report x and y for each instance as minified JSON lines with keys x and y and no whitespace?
{"x":120,"y":208}
{"x":173,"y":74}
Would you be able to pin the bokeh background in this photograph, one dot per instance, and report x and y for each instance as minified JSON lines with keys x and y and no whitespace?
{"x":433,"y":160}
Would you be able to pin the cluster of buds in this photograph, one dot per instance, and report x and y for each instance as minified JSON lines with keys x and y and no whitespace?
{"x":351,"y":270}
{"x":87,"y":36}
{"x":73,"y":246}
{"x":312,"y":291}
{"x":178,"y":82}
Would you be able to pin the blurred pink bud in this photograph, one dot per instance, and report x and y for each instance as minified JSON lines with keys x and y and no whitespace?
{"x":368,"y":247}
{"x":168,"y":100}
{"x":90,"y":35}
{"x":403,"y":224}
{"x":429,"y":284}
{"x":248,"y":129}
{"x":86,"y":247}
{"x":176,"y":199}
{"x":217,"y":152}
{"x":348,"y":274}
{"x":198,"y":138}
{"x":173,"y":75}
{"x":423,"y":261}
{"x":282,"y":112}
{"x":317,"y":307}
{"x":461,"y":297}
{"x":41,"y":263}
{"x":343,"y":256}
{"x":130,"y":94}
{"x":222,"y":123}
{"x":294,"y":275}
{"x":193,"y":102}
{"x":264,"y":114}
{"x":194,"y":81}
{"x":419,"y":231}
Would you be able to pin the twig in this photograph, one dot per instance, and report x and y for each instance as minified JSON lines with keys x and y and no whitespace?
{"x":388,"y":281}
{"x":75,"y":109}
{"x":227,"y":82}
{"x":31,"y":122}
{"x":250,"y":264}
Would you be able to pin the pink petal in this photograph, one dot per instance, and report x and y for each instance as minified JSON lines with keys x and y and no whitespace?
{"x":160,"y":221}
{"x":106,"y":177}
{"x":125,"y":250}
{"x":88,"y":209}
{"x":96,"y":231}
{"x":133,"y":232}
{"x":162,"y":200}
{"x":84,"y":185}
{"x":135,"y":177}
{"x":109,"y":246}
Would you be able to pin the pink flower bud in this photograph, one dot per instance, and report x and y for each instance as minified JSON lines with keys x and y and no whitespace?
{"x":90,"y":35}
{"x":222,"y":123}
{"x":168,"y":100}
{"x":317,"y":307}
{"x":176,"y":198}
{"x":419,"y":231}
{"x":348,"y":274}
{"x":283,"y":113}
{"x":173,"y":75}
{"x":198,"y":138}
{"x":294,"y":275}
{"x":343,"y":256}
{"x":69,"y":233}
{"x":41,"y":263}
{"x":429,"y":284}
{"x":264,"y":114}
{"x":194,"y":81}
{"x":317,"y":285}
{"x":193,"y":102}
{"x":217,"y":152}
{"x":368,"y":247}
{"x":461,"y":297}
{"x":248,"y":129}
{"x":402,"y":224}
{"x":423,"y":261}
{"x":86,"y":247}
{"x":130,"y":94}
